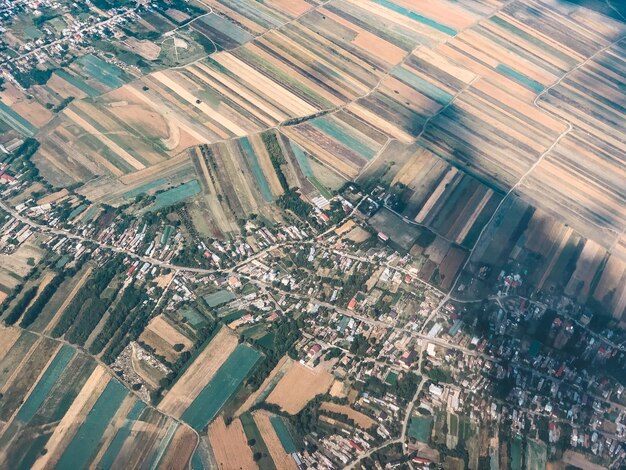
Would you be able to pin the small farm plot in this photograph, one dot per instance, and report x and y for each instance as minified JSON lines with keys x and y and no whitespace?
{"x":420,"y":428}
{"x":309,"y":383}
{"x":163,"y":336}
{"x":536,"y":455}
{"x":222,"y":386}
{"x":229,"y":444}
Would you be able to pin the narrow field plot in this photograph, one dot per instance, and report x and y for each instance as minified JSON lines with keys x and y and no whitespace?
{"x":281,"y":458}
{"x":361,"y":420}
{"x":298,"y":386}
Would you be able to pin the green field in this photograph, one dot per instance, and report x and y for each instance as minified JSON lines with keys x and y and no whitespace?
{"x":106,"y":73}
{"x":85,"y":443}
{"x":45,"y":384}
{"x":176,"y":195}
{"x":256,"y":169}
{"x":224,"y":383}
{"x":77,"y":82}
{"x":420,"y":427}
{"x":417,"y":17}
{"x":218,"y":298}
{"x":252,"y":432}
{"x":337,"y":132}
{"x":516,"y":454}
{"x":536,"y":455}
{"x":520,"y":78}
{"x":280,"y":428}
{"x":122,"y":434}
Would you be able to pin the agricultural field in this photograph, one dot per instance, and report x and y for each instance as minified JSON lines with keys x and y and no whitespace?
{"x":229,"y":444}
{"x":16,"y":266}
{"x":221,"y":387}
{"x":269,"y":426}
{"x":581,"y":179}
{"x":199,"y":373}
{"x":61,"y":409}
{"x":558,"y":258}
{"x":309,"y":383}
{"x":163,"y":336}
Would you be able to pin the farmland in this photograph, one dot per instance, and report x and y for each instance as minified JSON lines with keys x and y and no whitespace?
{"x":223,"y":384}
{"x":229,"y":444}
{"x":62,"y":401}
{"x":199,"y":374}
{"x":309,"y":382}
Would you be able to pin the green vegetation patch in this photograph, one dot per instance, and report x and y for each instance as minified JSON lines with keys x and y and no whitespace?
{"x":256,"y":169}
{"x":227,"y":379}
{"x":106,"y":462}
{"x":85,"y":443}
{"x":218,"y":298}
{"x":77,"y":82}
{"x":420,"y":428}
{"x":417,"y":17}
{"x":281,"y":430}
{"x":45,"y":384}
{"x":106,"y":73}
{"x":520,"y":78}
{"x":176,"y":195}
{"x":15,"y":121}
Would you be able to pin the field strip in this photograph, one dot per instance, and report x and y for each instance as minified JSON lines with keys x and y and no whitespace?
{"x":35,"y":383}
{"x":282,"y":460}
{"x":136,"y":164}
{"x":18,"y":367}
{"x":229,"y":445}
{"x":9,"y":336}
{"x":67,"y":301}
{"x":72,"y":419}
{"x":114,"y":426}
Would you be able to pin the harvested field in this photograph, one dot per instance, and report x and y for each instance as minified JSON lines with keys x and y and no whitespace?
{"x":163,"y":336}
{"x":230,"y":445}
{"x":361,"y":420}
{"x":199,"y":373}
{"x":282,"y":459}
{"x":308,"y":382}
{"x":179,"y":450}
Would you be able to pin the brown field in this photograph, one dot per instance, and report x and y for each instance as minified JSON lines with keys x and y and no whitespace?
{"x":146,"y":49}
{"x":162,"y":336}
{"x":282,"y":460}
{"x":17,"y":262}
{"x":230,"y":445}
{"x":195,"y":378}
{"x":180,"y":449}
{"x":8,"y":337}
{"x":361,"y":420}
{"x":284,"y":361}
{"x":307,"y":382}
